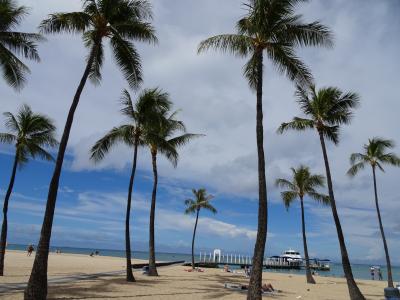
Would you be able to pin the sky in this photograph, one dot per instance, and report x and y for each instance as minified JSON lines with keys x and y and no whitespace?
{"x":214,"y":100}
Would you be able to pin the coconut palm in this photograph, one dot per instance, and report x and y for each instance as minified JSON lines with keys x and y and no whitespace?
{"x":303,"y":184}
{"x":327,"y":109}
{"x":161,"y":138}
{"x":201,"y":201}
{"x":30,"y":133}
{"x":120,"y":22}
{"x":375,"y":154}
{"x":270,"y":27}
{"x":149,"y":104}
{"x":14,"y":43}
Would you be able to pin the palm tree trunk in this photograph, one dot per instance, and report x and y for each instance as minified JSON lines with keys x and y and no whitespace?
{"x":37,"y":285}
{"x":254,"y":292}
{"x":3,"y":239}
{"x":354,"y":291}
{"x":309,"y":276}
{"x":194,"y":235}
{"x":388,"y":264}
{"x":129,"y":273}
{"x":152,"y":255}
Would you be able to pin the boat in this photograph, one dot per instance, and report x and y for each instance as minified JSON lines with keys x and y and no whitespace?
{"x":289,"y":259}
{"x":291,"y":256}
{"x":320,"y":264}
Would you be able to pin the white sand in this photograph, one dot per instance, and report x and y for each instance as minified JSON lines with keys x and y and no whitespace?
{"x":173,"y":283}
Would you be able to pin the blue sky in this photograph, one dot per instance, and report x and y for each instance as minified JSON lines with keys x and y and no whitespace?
{"x":214,"y":100}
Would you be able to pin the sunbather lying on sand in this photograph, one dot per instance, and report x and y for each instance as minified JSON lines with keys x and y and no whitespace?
{"x":265,"y":288}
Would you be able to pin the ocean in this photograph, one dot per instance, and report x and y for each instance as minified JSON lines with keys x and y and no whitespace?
{"x":360,"y":271}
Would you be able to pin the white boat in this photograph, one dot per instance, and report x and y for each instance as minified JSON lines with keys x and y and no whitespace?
{"x":291,"y":256}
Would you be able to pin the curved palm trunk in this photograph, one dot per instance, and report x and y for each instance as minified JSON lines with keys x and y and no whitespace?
{"x":152,"y":255}
{"x":37,"y":285}
{"x":388,"y":264}
{"x":354,"y":291}
{"x":309,"y":276}
{"x":3,"y":239}
{"x":194,"y":235}
{"x":254,"y":292}
{"x":129,"y":273}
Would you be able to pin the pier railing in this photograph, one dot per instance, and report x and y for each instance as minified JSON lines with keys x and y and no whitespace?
{"x":246,"y":260}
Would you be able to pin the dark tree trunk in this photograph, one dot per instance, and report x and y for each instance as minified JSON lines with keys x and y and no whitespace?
{"x":3,"y":239}
{"x":37,"y":285}
{"x":354,"y":291}
{"x":194,"y":235}
{"x":152,"y":251}
{"x":388,"y":264}
{"x":254,"y":292}
{"x":309,"y":276}
{"x":129,"y":273}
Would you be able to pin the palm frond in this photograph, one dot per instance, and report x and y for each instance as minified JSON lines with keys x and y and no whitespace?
{"x":358,"y":157}
{"x":284,"y":183}
{"x":11,"y":122}
{"x":36,"y":151}
{"x":310,"y":34}
{"x":390,"y":159}
{"x":95,"y":70}
{"x":298,"y":124}
{"x":355,"y":168}
{"x":140,"y":31}
{"x":74,"y":22}
{"x":288,"y":197}
{"x":13,"y":69}
{"x":182,"y":140}
{"x":116,"y":135}
{"x":250,"y":71}
{"x":7,"y":138}
{"x":235,"y":44}
{"x":286,"y":62}
{"x":320,"y":198}
{"x":331,"y":133}
{"x":20,"y":43}
{"x":128,"y":60}
{"x":11,"y":14}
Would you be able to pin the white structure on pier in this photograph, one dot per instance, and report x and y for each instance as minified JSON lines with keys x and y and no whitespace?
{"x":217,"y":253}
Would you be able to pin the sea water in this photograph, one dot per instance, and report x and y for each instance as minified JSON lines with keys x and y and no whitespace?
{"x":360,"y":271}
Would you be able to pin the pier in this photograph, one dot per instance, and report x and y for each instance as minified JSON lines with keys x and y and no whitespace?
{"x":233,"y":259}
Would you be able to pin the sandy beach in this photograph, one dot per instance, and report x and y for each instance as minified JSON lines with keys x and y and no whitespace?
{"x":173,"y":283}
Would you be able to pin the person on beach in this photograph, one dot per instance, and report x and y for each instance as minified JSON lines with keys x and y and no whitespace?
{"x":91,"y":254}
{"x":226,"y":269}
{"x":380,"y":274}
{"x":30,"y":250}
{"x":372,"y":273}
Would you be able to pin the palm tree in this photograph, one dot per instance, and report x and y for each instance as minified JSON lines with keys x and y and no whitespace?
{"x":29,"y":132}
{"x":121,"y":22}
{"x":273,"y":28}
{"x":149,"y":104}
{"x":14,"y":43}
{"x":202,"y":200}
{"x":375,"y":155}
{"x":326,"y":110}
{"x":161,"y":138}
{"x":303,"y":184}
